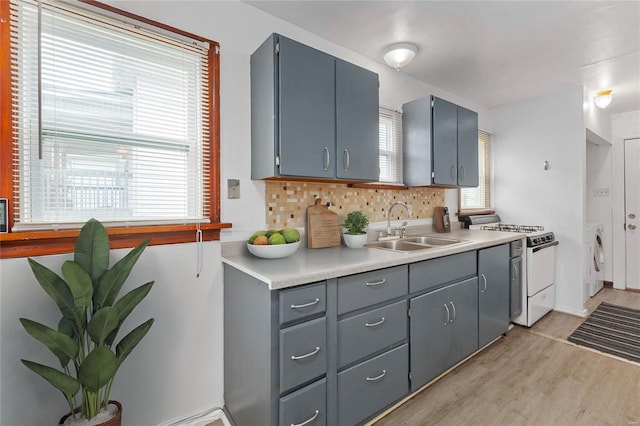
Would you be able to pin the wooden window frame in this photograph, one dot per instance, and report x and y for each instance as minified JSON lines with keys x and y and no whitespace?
{"x":40,"y":243}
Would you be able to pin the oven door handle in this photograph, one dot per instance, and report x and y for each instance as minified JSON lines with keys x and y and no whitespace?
{"x":544,"y":246}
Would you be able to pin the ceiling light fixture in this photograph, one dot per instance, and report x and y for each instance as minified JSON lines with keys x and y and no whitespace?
{"x":603,"y":98}
{"x":399,"y":55}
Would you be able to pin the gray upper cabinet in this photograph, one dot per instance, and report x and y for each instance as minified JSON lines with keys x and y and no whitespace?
{"x":493,"y":293}
{"x":356,"y":122}
{"x":440,"y":141}
{"x":312,"y":115}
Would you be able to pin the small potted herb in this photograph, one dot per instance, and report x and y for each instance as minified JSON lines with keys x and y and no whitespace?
{"x":355,"y":235}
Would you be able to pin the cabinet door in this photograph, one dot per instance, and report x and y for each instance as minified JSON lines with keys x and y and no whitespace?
{"x":493,"y":293}
{"x":306,"y":111}
{"x":467,"y":148}
{"x":430,"y":336}
{"x":356,"y":122}
{"x":445,"y":145}
{"x":463,"y":302}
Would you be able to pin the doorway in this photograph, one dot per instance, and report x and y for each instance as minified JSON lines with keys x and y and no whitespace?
{"x":632,"y":211}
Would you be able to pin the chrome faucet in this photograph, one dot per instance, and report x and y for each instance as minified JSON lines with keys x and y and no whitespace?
{"x":397,"y":203}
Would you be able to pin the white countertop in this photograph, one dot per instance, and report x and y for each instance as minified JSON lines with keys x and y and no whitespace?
{"x":311,"y":265}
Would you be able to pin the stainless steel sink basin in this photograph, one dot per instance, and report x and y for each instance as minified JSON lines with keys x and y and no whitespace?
{"x":434,"y":241}
{"x":397,"y":245}
{"x":413,"y":243}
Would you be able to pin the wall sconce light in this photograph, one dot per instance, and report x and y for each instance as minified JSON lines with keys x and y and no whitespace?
{"x":399,"y":55}
{"x":603,"y":98}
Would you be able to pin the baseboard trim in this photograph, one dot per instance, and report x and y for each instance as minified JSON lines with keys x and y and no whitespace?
{"x":633,"y":290}
{"x":200,"y":419}
{"x":578,"y":313}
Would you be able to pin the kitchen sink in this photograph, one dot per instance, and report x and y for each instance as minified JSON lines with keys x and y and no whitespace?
{"x":433,"y":241}
{"x":413,"y":243}
{"x":397,"y":245}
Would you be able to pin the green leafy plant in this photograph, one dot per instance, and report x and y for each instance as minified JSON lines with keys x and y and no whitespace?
{"x":356,"y":222}
{"x":91,"y":318}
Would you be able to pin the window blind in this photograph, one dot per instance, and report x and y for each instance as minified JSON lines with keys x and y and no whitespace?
{"x":480,"y":197}
{"x":390,"y":146}
{"x":124,"y":119}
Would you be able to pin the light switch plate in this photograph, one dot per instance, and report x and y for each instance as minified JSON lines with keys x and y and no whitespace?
{"x":233,"y":188}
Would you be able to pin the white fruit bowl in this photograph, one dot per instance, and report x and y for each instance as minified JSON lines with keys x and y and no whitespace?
{"x":276,"y":251}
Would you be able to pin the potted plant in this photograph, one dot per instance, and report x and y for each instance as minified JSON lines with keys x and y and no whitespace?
{"x":91,"y":318}
{"x":355,"y":235}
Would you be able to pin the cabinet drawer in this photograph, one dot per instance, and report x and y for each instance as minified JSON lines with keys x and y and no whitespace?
{"x":358,"y":291}
{"x":435,"y":272}
{"x":303,"y":301}
{"x":306,"y":406}
{"x":367,"y":388}
{"x":303,"y":353}
{"x":371,"y":331}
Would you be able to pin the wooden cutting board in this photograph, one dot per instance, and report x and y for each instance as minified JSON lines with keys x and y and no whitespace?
{"x":323,"y":227}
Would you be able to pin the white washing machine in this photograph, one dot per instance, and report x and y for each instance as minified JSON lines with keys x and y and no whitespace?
{"x":594,"y":249}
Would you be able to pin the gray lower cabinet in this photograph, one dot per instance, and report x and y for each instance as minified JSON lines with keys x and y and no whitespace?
{"x":493,"y":293}
{"x":337,"y":352}
{"x":372,"y":385}
{"x":444,"y":329}
{"x":307,"y":406}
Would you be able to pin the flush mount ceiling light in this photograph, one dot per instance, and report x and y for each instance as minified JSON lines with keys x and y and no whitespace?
{"x":399,"y":55}
{"x":603,"y":98}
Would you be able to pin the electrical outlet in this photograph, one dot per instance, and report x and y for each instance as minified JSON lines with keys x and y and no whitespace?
{"x":601,"y":192}
{"x":233,"y":188}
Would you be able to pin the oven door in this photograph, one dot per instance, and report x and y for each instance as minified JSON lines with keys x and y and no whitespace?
{"x":541,"y":267}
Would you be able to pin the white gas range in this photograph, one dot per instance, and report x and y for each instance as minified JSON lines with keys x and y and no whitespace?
{"x":537,"y":284}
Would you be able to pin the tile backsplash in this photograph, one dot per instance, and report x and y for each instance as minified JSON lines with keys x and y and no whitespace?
{"x":287,"y":202}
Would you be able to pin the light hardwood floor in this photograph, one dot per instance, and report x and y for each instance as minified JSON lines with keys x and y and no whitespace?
{"x":533,"y":377}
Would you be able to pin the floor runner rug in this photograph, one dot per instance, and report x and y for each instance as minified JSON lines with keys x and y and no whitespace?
{"x":611,"y":329}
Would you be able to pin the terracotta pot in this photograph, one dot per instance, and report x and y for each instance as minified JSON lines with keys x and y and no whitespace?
{"x":114,"y":421}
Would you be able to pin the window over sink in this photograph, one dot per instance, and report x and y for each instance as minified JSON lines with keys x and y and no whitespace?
{"x":390,"y":144}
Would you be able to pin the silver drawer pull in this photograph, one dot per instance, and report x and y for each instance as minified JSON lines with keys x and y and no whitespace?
{"x":306,"y":422}
{"x":374,"y":324}
{"x":373,"y":379}
{"x":312,"y":353}
{"x":306,"y":305}
{"x":448,"y":320}
{"x":375,"y":283}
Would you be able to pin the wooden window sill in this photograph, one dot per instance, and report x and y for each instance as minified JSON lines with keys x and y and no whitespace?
{"x":464,"y":213}
{"x":41,"y":243}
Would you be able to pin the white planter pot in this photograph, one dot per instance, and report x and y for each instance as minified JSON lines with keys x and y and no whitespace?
{"x":355,"y":241}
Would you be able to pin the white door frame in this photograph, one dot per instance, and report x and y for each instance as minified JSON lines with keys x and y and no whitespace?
{"x":618,"y":207}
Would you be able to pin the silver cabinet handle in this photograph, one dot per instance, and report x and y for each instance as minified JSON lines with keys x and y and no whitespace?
{"x":374,"y":324}
{"x":376,"y":283}
{"x":485,"y":283}
{"x":516,"y":273}
{"x":453,"y":307}
{"x":347,"y":160}
{"x":632,"y":227}
{"x":448,"y":315}
{"x":306,"y":305}
{"x":462,"y":173}
{"x":452,"y":172}
{"x":312,"y":353}
{"x":327,"y":159}
{"x":306,"y":422}
{"x":373,"y":379}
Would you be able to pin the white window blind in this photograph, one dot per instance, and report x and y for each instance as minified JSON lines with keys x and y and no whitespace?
{"x":390,"y":145}
{"x":124,"y":129}
{"x":480,"y":197}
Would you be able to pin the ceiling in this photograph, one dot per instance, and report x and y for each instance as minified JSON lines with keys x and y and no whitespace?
{"x":493,"y":53}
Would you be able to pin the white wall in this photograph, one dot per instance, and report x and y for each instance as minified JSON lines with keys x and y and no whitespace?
{"x":623,"y":126}
{"x":525,"y":135}
{"x":177,"y":370}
